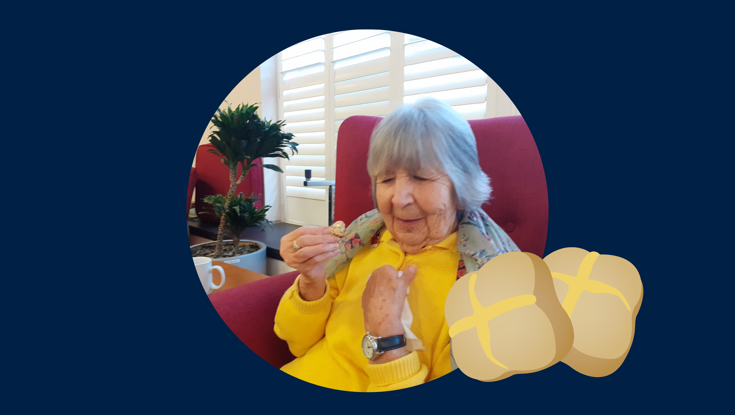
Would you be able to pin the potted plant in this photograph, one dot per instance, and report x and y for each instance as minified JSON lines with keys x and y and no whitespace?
{"x":241,"y":137}
{"x":242,"y":214}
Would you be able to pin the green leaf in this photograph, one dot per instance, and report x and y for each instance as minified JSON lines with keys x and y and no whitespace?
{"x":272,"y":167}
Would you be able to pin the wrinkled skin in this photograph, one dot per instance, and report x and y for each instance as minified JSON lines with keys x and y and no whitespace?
{"x":419,"y":210}
{"x":382,"y":305}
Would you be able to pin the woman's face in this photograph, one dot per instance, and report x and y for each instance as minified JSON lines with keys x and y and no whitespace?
{"x":419,"y":210}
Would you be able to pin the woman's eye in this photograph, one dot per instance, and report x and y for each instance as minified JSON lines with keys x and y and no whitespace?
{"x":386,"y":180}
{"x":423,"y":179}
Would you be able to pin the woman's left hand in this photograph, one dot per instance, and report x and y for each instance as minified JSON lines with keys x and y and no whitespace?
{"x":383,"y":299}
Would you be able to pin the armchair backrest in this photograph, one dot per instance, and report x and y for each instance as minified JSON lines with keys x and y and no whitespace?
{"x":213,"y":178}
{"x":508,"y":155}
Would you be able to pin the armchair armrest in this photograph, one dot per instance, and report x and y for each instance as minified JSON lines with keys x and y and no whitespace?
{"x":250,"y":310}
{"x":190,"y":191}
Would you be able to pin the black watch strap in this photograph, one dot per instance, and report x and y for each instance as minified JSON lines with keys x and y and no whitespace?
{"x":390,"y":343}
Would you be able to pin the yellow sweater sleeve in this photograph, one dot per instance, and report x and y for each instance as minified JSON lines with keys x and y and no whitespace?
{"x":407,"y":371}
{"x":302,"y":323}
{"x":398,"y":374}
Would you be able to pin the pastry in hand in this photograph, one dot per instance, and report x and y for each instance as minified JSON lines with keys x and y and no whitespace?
{"x":338,"y":229}
{"x":505,"y":319}
{"x":602,"y":295}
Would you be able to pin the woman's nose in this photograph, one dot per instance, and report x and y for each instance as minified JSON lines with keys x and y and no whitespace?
{"x":402,"y":193}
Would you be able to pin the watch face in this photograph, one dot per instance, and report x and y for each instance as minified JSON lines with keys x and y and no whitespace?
{"x":368,"y":347}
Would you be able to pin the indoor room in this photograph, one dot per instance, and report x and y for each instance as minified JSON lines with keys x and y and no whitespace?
{"x":340,"y":171}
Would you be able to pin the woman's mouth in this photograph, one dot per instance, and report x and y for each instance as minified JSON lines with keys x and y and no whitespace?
{"x":407,"y":222}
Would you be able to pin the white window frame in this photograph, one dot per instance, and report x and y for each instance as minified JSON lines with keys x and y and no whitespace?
{"x":497,"y":104}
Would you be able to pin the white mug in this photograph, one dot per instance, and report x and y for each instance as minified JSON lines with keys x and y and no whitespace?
{"x":204,"y":269}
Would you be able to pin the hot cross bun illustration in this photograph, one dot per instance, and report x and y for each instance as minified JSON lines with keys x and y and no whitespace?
{"x":602,"y":295}
{"x":506,"y":319}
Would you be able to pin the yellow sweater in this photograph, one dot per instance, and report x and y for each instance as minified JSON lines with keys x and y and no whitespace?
{"x":325,"y":335}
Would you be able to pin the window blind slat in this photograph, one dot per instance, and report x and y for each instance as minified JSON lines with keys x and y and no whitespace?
{"x":303,"y":48}
{"x":471,"y":112}
{"x":303,"y":104}
{"x":411,"y":39}
{"x":363,"y":97}
{"x":362,"y":46}
{"x":306,"y":192}
{"x":359,"y":84}
{"x":303,"y":60}
{"x":305,"y":127}
{"x":308,"y":138}
{"x":304,"y":77}
{"x":303,"y":93}
{"x":419,"y":45}
{"x":377,"y":108}
{"x":436,"y":68}
{"x":362,"y":69}
{"x":473,"y":95}
{"x":445,"y":82}
{"x":311,"y":149}
{"x":362,"y":59}
{"x":352,"y":36}
{"x":429,"y":55}
{"x":299,"y":160}
{"x":293,"y":104}
{"x":306,"y":115}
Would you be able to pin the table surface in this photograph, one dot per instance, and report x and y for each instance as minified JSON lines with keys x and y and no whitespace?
{"x":234,"y":276}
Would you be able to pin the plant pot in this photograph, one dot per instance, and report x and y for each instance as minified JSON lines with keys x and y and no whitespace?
{"x":254,"y":261}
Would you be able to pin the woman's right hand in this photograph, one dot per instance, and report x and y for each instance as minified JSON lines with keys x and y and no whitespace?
{"x":317,"y":246}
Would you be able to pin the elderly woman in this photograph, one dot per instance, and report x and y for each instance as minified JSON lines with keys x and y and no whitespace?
{"x":366,"y":312}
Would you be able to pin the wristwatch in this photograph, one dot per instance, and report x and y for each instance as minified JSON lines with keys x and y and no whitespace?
{"x":374,"y":346}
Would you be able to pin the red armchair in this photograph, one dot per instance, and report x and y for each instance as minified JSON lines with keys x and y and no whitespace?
{"x":519,"y":205}
{"x":211,"y":177}
{"x":190,"y":190}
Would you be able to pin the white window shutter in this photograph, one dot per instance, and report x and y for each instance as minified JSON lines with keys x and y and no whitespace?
{"x":431,"y":70}
{"x":361,"y":60}
{"x":326,"y":79}
{"x":303,"y":80}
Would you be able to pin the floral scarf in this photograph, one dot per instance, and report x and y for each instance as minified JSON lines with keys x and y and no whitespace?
{"x":479,"y":239}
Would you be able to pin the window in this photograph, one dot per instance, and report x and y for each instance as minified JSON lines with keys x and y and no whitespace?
{"x":324,"y":80}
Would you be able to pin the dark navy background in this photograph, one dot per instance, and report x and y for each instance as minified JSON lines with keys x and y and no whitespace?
{"x":106,"y":106}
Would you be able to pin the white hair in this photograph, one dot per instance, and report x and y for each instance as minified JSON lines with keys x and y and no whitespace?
{"x":430,"y":134}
